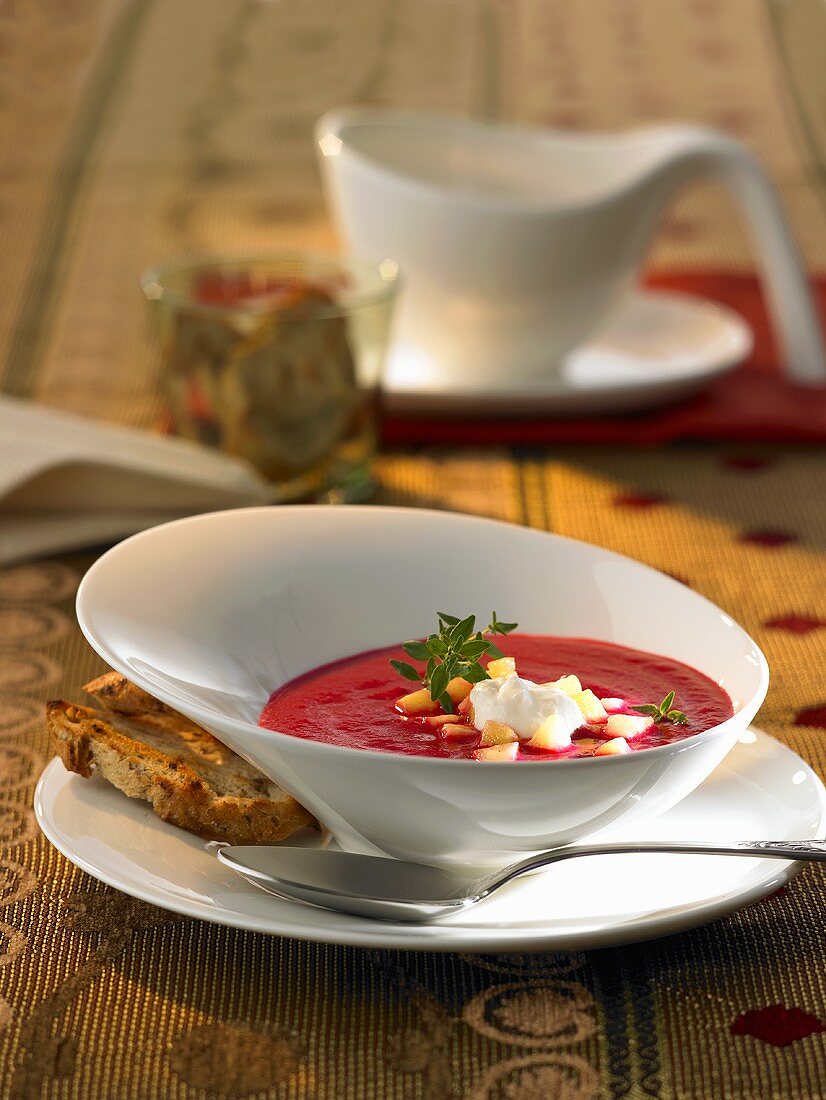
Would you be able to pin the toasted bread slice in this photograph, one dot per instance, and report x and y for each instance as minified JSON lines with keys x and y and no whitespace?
{"x":117,"y":693}
{"x":190,"y":778}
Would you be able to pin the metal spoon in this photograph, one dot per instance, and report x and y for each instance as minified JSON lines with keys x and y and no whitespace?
{"x":392,"y":889}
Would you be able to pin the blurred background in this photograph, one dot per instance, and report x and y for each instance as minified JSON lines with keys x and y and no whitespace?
{"x":136,"y":133}
{"x":139,"y":132}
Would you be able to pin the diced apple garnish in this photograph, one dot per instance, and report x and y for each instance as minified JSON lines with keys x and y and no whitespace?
{"x":502,"y":667}
{"x":497,"y":733}
{"x":464,"y":706}
{"x":569,"y":684}
{"x":592,"y":709}
{"x":443,"y":719}
{"x":455,"y":731}
{"x":417,"y":702}
{"x":498,"y":752}
{"x":553,"y":734}
{"x":458,"y":689}
{"x":615,"y":747}
{"x":627,"y":725}
{"x":613,"y":705}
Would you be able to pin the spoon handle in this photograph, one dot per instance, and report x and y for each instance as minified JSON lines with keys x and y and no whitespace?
{"x":778,"y":849}
{"x":774,"y":849}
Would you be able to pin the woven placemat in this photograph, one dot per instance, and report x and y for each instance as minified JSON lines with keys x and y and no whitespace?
{"x":103,"y":996}
{"x":142,"y":131}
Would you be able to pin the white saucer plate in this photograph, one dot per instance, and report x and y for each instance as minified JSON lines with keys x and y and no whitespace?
{"x":761,"y":791}
{"x":658,"y":347}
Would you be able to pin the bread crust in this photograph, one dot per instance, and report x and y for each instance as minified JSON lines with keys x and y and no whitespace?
{"x":117,"y":693}
{"x":149,"y":751}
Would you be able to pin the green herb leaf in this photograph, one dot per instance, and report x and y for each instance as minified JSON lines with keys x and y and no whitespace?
{"x":677,"y":717}
{"x":463,"y":629}
{"x":495,"y":627}
{"x":406,"y":670}
{"x":439,"y":680}
{"x":663,"y":712}
{"x":454,"y":651}
{"x":450,"y":620}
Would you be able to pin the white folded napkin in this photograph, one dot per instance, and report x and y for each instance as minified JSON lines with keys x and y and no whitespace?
{"x":68,"y":482}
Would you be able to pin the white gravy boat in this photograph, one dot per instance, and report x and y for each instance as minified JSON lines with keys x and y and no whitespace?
{"x":515,"y":244}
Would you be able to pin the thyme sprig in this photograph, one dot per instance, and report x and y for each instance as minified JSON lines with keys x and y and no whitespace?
{"x":456,"y":650}
{"x":665,"y":712}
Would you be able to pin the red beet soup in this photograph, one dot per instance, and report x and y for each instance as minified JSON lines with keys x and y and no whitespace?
{"x":352,"y":702}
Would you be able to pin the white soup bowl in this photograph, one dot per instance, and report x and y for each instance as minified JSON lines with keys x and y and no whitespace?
{"x":211,"y":614}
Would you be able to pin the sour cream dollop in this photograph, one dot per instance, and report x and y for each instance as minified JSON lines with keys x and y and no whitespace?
{"x":521,"y":704}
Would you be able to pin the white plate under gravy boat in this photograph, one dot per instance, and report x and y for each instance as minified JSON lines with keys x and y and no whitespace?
{"x":762,"y":789}
{"x":658,"y":347}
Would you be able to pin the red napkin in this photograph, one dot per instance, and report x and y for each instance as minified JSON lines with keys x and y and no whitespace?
{"x":755,"y":402}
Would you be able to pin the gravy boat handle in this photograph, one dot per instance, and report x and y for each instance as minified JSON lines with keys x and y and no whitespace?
{"x":690,"y":153}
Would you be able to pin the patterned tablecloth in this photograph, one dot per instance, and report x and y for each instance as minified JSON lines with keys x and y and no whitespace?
{"x":133,"y":125}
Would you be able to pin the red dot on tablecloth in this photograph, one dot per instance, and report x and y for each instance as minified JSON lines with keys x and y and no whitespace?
{"x":812,"y":716}
{"x":768,"y":537}
{"x":638,"y":500}
{"x":713,"y":50}
{"x":777,"y":1025}
{"x":735,"y":120}
{"x":746,"y":463}
{"x":568,"y":120}
{"x":704,"y":7}
{"x":679,"y":229}
{"x":795,"y":624}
